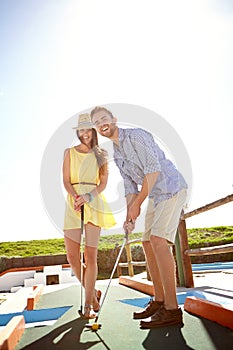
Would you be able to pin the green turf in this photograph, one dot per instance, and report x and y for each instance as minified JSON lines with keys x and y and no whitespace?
{"x":119,"y":331}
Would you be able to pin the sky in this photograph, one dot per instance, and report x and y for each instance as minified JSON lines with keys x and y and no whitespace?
{"x":60,"y":58}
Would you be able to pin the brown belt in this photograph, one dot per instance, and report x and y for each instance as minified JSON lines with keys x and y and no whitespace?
{"x":84,"y":183}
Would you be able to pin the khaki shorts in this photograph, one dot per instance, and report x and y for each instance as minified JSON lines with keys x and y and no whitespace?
{"x":162,"y":220}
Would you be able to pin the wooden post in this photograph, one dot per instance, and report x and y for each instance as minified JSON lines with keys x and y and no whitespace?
{"x":186,"y":261}
{"x":34,"y":296}
{"x":179,"y":264}
{"x":119,"y":270}
{"x":129,"y":259}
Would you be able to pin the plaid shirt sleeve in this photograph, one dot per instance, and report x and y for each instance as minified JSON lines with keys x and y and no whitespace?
{"x":129,"y":185}
{"x":139,"y":155}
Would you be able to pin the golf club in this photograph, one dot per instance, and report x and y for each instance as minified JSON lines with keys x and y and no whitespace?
{"x":95,"y":326}
{"x":80,"y":311}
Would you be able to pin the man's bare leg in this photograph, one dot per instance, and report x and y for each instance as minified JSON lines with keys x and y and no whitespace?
{"x":153,"y":270}
{"x":167,"y":268}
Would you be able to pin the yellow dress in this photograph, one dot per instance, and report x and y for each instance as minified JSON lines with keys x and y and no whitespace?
{"x":84,"y":168}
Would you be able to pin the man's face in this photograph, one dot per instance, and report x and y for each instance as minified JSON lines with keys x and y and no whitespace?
{"x":104,"y":124}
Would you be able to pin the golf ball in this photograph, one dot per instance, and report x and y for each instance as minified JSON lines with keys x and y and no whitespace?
{"x":95,"y":327}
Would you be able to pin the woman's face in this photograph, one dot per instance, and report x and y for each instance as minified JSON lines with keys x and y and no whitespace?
{"x":85,"y":136}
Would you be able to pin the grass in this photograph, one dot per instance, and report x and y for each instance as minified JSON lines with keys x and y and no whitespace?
{"x":198,"y":237}
{"x":204,"y":237}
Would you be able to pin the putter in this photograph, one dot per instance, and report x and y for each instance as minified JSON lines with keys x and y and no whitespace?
{"x":95,"y":326}
{"x":80,"y":311}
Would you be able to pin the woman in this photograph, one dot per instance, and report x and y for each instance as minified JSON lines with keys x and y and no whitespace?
{"x":85,"y":174}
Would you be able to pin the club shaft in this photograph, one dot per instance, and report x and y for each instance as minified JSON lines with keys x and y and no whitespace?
{"x":112,"y":274}
{"x":82,"y":258}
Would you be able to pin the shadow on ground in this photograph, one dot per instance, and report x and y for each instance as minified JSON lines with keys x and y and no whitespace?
{"x":66,"y":336}
{"x":165,"y":338}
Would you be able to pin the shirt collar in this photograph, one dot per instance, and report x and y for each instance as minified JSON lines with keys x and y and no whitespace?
{"x":120,"y":139}
{"x":120,"y":135}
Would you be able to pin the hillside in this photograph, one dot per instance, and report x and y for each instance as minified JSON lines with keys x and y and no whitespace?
{"x":197,"y":237}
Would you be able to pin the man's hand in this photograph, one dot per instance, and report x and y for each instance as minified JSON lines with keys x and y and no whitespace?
{"x":129,"y":226}
{"x":133,"y":212}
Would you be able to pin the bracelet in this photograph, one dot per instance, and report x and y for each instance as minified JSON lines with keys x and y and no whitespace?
{"x":91,"y":197}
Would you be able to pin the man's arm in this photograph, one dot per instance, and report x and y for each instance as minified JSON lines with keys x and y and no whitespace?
{"x":134,"y":201}
{"x":147,"y":185}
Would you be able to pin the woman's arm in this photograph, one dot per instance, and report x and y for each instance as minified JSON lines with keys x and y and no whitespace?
{"x":103,"y":176}
{"x":102,"y":184}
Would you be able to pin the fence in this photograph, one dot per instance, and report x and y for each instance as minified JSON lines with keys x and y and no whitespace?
{"x":182,"y":250}
{"x":184,"y":253}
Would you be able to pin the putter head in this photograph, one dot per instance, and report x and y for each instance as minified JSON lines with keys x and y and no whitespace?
{"x":94,"y":327}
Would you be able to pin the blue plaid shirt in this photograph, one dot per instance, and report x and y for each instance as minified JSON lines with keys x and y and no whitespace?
{"x":137,"y":155}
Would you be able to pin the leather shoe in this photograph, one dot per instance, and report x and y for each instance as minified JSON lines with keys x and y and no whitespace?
{"x":163,"y":318}
{"x":151,"y":308}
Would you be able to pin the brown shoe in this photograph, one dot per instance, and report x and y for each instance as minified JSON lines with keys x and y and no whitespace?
{"x":151,"y":308}
{"x":163,"y":318}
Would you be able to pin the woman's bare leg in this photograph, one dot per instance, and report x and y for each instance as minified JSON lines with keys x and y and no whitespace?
{"x":72,"y":239}
{"x":91,"y":271}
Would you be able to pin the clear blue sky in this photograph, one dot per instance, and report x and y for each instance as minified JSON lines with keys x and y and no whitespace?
{"x":62,"y":57}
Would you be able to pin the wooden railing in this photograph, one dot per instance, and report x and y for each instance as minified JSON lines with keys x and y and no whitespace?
{"x":209,"y":206}
{"x":182,"y":250}
{"x":130,"y":263}
{"x":185,"y":271}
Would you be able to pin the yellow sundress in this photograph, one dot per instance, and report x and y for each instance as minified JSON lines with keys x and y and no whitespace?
{"x":84,"y":168}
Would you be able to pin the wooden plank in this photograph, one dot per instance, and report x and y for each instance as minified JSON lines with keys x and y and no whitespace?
{"x":134,"y":263}
{"x":136,"y":240}
{"x":34,"y":297}
{"x":11,"y":333}
{"x":143,"y":286}
{"x":226,"y":248}
{"x":210,"y":310}
{"x":209,"y":206}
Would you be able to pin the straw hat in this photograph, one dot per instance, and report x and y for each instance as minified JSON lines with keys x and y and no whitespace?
{"x":84,"y":122}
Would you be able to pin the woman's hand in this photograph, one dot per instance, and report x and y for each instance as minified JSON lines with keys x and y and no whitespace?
{"x":76,"y":205}
{"x":80,"y":200}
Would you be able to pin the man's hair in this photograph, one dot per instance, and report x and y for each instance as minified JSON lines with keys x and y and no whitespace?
{"x":100,"y":109}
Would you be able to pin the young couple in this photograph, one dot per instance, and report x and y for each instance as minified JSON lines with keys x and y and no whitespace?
{"x":141,"y":163}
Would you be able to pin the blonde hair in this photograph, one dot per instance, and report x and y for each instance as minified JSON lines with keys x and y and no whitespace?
{"x":100,"y":109}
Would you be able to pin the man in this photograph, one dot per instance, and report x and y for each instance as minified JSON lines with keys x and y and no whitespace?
{"x":142,"y":163}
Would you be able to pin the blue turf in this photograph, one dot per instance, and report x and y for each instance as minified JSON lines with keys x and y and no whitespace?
{"x":142,"y":302}
{"x":36,"y":315}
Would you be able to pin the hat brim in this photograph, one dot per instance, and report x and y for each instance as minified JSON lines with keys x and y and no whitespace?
{"x":84,"y":126}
